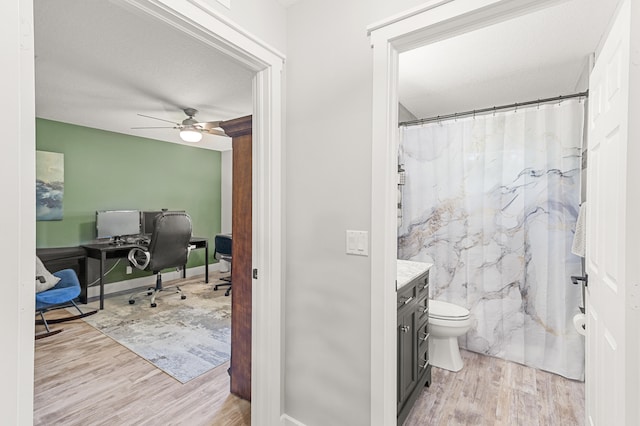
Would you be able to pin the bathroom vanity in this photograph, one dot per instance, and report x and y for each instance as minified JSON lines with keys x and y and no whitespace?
{"x":414,"y":369}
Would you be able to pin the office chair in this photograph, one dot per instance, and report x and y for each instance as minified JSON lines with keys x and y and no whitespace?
{"x":168,"y":248}
{"x":223,"y":251}
{"x":56,"y":291}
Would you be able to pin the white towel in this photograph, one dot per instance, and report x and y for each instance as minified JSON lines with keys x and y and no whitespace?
{"x":579,"y":238}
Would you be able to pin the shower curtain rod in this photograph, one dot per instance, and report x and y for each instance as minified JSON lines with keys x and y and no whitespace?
{"x":474,"y":112}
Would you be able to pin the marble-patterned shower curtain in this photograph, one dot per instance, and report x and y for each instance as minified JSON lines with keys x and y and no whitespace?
{"x":492,"y":201}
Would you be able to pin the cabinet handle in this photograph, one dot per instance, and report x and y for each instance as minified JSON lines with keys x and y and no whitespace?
{"x":426,"y":361}
{"x":425,"y":338}
{"x":425,"y":310}
{"x":405,"y":328}
{"x":408,"y":300}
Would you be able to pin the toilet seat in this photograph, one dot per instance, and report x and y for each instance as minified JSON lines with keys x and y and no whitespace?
{"x":447,"y":311}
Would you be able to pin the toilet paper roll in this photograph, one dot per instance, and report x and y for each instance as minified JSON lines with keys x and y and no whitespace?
{"x":579,"y":324}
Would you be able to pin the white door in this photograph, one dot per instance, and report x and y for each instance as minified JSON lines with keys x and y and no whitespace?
{"x":606,"y":255}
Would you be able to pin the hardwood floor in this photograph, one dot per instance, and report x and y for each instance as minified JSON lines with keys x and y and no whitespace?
{"x":491,"y":391}
{"x":82,"y":377}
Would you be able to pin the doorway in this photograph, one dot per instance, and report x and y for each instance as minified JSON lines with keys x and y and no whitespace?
{"x":519,"y":64}
{"x":205,"y":25}
{"x":423,"y":26}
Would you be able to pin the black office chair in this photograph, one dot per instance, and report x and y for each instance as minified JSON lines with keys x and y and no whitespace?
{"x":223,"y":251}
{"x":168,"y":248}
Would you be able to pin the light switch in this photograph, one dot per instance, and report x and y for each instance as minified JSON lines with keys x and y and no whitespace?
{"x":358,"y":243}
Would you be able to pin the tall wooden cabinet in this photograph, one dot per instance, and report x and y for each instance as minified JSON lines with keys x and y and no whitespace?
{"x":240,"y":130}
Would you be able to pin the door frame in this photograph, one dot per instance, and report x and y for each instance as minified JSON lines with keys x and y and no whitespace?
{"x":199,"y":20}
{"x":196,"y":18}
{"x":433,"y":21}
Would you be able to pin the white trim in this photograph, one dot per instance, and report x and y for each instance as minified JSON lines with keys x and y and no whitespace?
{"x":267,"y":374}
{"x":266,"y":370}
{"x":210,"y":10}
{"x":215,"y":30}
{"x":405,"y":14}
{"x":384,"y":314}
{"x":290,"y":421}
{"x":18,"y":167}
{"x":439,"y":21}
{"x":210,"y":28}
{"x":429,"y":23}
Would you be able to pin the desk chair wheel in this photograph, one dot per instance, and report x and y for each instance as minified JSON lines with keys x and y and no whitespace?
{"x":131,"y":302}
{"x":226,"y":293}
{"x":153,"y":305}
{"x":183,"y":297}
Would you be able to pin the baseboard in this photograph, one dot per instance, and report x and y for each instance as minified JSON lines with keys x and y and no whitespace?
{"x":286,"y":420}
{"x":126,"y":285}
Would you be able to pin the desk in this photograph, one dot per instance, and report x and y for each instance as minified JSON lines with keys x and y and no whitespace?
{"x":104,"y":251}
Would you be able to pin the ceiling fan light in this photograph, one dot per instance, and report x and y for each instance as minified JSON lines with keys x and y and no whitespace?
{"x":190,"y":135}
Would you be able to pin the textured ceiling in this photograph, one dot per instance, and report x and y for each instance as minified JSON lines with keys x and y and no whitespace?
{"x":101,"y":65}
{"x":539,"y":55}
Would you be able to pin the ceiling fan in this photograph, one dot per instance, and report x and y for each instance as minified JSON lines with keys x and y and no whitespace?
{"x":191,"y":130}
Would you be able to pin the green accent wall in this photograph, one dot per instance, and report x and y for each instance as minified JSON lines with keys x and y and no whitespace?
{"x":112,"y":171}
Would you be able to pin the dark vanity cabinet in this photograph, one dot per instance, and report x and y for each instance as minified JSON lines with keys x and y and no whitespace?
{"x":414,"y":370}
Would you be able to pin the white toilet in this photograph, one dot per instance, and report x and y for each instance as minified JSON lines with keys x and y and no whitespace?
{"x":446,"y":322}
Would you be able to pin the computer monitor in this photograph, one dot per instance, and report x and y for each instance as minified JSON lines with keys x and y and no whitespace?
{"x":147,"y":221}
{"x":116,"y":224}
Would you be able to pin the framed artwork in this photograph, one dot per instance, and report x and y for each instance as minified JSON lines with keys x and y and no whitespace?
{"x":49,"y":185}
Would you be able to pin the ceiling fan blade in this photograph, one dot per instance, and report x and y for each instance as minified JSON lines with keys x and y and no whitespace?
{"x":212,"y":127}
{"x":156,"y":118}
{"x":216,"y":132}
{"x":209,"y":124}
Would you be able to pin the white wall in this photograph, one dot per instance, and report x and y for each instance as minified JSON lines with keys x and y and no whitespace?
{"x":328,"y":166}
{"x":382,"y":9}
{"x":404,"y":114}
{"x":328,"y":188}
{"x":265,"y":19}
{"x":17,"y":118}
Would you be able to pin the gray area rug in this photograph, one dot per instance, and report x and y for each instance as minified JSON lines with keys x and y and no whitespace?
{"x":184,"y":338}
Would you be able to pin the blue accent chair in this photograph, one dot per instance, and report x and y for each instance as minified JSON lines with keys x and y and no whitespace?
{"x":57,"y":297}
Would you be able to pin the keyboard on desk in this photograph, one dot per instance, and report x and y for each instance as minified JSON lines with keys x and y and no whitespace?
{"x":142,"y":240}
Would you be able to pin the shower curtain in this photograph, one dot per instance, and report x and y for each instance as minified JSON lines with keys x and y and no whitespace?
{"x":492,"y":201}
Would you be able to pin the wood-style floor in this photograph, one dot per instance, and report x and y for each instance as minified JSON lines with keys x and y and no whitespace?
{"x":491,"y":391}
{"x":83,"y":377}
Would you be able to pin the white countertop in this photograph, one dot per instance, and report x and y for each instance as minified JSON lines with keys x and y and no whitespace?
{"x":407,"y":270}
